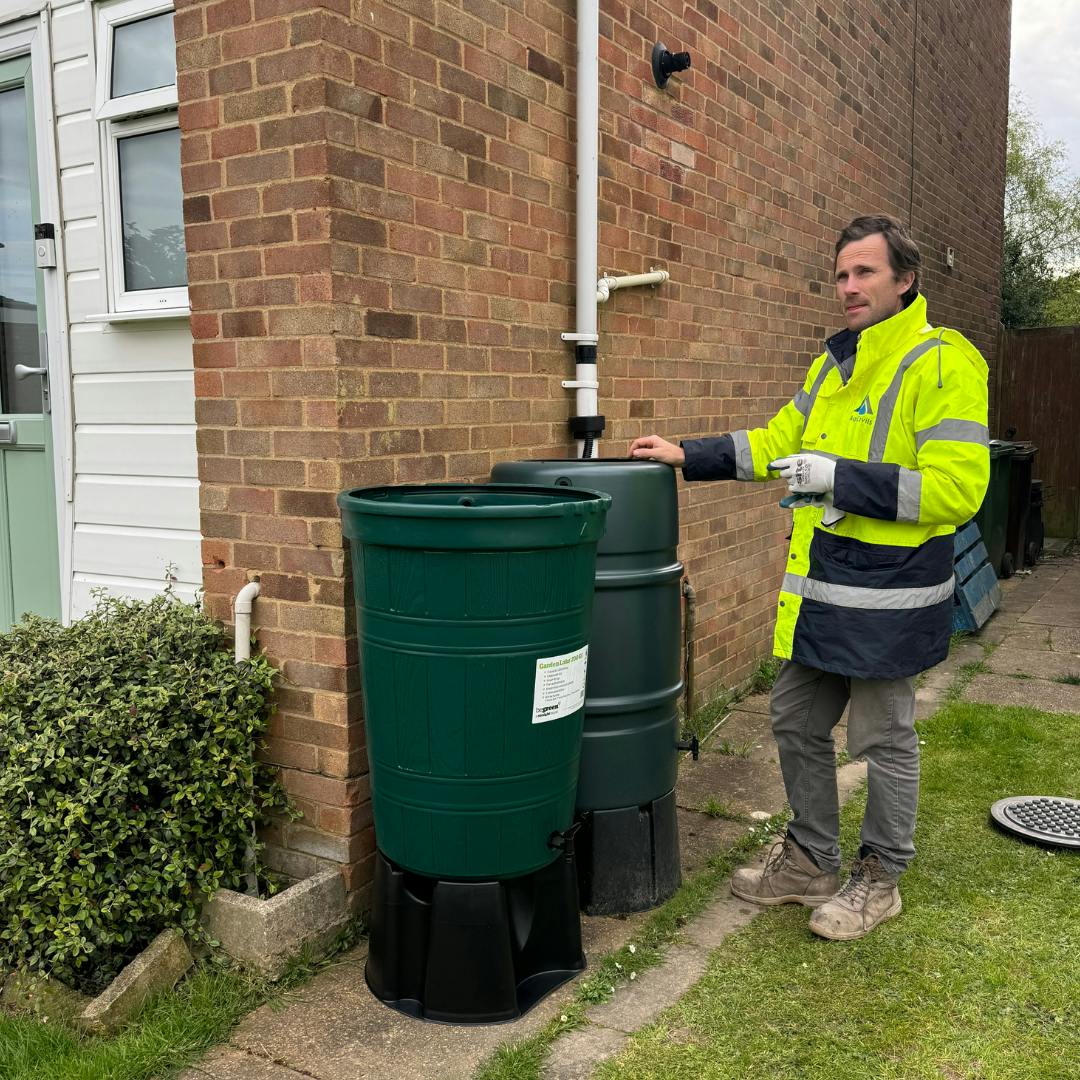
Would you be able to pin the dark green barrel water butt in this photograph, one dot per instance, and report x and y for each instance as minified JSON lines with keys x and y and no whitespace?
{"x":629,"y":756}
{"x":473,"y":608}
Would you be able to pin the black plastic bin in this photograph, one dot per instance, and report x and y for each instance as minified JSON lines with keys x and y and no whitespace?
{"x":993,"y":516}
{"x":1020,"y":469}
{"x":1035,"y":533}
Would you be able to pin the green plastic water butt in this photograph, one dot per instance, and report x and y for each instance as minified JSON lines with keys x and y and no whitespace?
{"x":473,"y":608}
{"x":629,"y":754}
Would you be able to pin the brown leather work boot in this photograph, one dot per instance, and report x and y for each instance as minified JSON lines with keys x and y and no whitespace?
{"x":869,"y":897}
{"x":789,"y":876}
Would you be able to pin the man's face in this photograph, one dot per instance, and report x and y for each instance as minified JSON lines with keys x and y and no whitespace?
{"x":865,"y":284}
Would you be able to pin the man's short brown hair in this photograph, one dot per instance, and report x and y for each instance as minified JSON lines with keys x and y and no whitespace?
{"x":903,"y":251}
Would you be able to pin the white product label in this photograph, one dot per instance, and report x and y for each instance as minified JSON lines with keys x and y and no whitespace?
{"x":559,"y":689}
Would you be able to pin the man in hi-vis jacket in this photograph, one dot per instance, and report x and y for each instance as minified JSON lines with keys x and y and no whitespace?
{"x":884,"y":450}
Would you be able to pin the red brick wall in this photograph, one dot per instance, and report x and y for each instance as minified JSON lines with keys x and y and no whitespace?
{"x":379,"y":206}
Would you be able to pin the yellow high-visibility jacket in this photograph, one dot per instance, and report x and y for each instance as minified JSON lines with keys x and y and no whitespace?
{"x":871,"y":597}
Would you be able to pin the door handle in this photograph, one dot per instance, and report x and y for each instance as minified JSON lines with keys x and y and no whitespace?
{"x":22,"y":371}
{"x":8,"y":434}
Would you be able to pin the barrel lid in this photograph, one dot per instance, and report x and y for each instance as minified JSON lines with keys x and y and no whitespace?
{"x":473,"y":500}
{"x":488,"y":517}
{"x":644,"y":513}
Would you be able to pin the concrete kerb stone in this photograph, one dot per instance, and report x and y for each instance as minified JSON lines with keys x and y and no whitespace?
{"x":266,"y":934}
{"x":160,"y":966}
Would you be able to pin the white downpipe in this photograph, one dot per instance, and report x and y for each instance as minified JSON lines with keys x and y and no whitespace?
{"x":588,"y":192}
{"x":242,"y":634}
{"x":607,"y":285}
{"x":242,"y":619}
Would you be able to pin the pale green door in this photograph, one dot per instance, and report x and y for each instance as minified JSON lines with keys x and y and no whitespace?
{"x":29,"y":563}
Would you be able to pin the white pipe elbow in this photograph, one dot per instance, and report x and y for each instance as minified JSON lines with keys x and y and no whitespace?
{"x":242,"y":605}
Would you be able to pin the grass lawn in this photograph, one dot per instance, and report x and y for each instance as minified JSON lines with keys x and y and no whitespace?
{"x":978,"y":979}
{"x":168,"y":1035}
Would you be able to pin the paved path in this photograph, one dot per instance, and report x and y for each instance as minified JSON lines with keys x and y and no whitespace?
{"x":333,"y":1029}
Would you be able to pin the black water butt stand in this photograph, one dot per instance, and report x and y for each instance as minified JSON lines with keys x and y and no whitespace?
{"x":473,"y":952}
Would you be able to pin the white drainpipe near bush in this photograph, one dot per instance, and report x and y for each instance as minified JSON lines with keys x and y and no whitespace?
{"x":587,"y":425}
{"x":242,"y":651}
{"x":242,"y":620}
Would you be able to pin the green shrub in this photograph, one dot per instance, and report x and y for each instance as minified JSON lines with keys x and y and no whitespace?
{"x":128,"y":785}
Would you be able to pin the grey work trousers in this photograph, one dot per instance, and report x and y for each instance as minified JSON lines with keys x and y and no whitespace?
{"x":806,"y":705}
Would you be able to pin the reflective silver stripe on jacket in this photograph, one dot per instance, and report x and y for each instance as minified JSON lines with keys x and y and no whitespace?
{"x":954,"y":431}
{"x":855,"y":596}
{"x":744,"y":456}
{"x":888,"y":401}
{"x":908,"y":495}
{"x":808,"y":399}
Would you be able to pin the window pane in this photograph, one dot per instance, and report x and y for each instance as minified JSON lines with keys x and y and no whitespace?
{"x":18,"y":278}
{"x":144,"y":55}
{"x":151,"y":210}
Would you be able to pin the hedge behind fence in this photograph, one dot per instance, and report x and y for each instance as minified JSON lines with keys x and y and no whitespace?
{"x":128,"y":785}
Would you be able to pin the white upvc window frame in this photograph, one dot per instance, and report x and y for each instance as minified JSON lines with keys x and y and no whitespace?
{"x":120,"y":117}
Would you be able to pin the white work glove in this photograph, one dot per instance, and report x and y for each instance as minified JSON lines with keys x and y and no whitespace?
{"x":810,"y":480}
{"x":829,"y":514}
{"x":806,"y":473}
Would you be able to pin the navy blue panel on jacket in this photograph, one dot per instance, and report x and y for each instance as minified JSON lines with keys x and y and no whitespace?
{"x":824,"y":632}
{"x":868,"y":488}
{"x":709,"y":459}
{"x":842,"y":560}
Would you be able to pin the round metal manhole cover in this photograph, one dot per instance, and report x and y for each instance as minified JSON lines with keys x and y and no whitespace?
{"x":1041,"y":819}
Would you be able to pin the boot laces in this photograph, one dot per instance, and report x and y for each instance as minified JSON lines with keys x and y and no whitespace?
{"x":864,"y":872}
{"x":778,"y":856}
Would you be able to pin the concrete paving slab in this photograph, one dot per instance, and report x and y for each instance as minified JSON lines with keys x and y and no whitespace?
{"x":1059,"y":615}
{"x":744,"y":734}
{"x":1036,"y":664}
{"x":1061,"y":605}
{"x":642,"y":1001}
{"x":701,"y":837}
{"x":849,"y":778}
{"x":1035,"y":638}
{"x":1027,"y":693}
{"x":744,"y":784}
{"x":576,"y":1055}
{"x":226,"y":1063}
{"x":756,"y":703}
{"x":1065,"y":639}
{"x":722,"y":917}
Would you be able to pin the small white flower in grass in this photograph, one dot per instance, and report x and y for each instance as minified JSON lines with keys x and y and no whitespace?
{"x":632,"y":948}
{"x":633,"y":975}
{"x":618,"y":966}
{"x":563,"y":1018}
{"x":922,"y":742}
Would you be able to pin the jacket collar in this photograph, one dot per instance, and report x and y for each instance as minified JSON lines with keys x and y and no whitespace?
{"x":883,"y":337}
